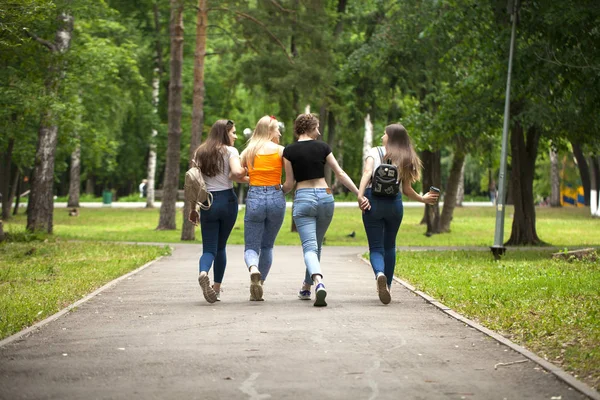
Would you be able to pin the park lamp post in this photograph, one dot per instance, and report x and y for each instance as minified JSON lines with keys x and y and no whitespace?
{"x":498,"y":248}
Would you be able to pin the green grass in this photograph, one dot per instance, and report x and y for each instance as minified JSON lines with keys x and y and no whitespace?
{"x":549,"y":306}
{"x":471,"y":226}
{"x":37,"y":279}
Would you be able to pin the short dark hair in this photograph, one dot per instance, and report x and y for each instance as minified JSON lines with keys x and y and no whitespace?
{"x":305,"y":123}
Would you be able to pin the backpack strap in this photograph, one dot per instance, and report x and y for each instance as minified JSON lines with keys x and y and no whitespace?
{"x":380,"y":154}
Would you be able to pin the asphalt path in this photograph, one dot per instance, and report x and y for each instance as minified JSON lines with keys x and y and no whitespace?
{"x":151,"y":335}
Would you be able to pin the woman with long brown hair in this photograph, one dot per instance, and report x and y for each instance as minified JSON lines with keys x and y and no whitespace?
{"x":219,"y":163}
{"x":383,"y":215}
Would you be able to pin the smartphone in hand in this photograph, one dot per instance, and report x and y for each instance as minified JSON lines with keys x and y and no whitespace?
{"x":434,"y":189}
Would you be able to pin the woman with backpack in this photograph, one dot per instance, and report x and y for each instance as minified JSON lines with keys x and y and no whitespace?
{"x":265,"y":204}
{"x":396,"y":159}
{"x":219,"y":163}
{"x":312,"y":211}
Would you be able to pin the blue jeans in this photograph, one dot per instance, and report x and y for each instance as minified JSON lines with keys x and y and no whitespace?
{"x":216,"y":225}
{"x":381,"y":223}
{"x":312,"y":213}
{"x":265,"y":209}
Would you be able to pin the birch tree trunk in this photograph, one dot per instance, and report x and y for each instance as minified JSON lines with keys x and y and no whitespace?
{"x":595,"y":185}
{"x":171,"y":178}
{"x":458,"y":164}
{"x":367,"y":139}
{"x":151,"y":184}
{"x":307,"y":109}
{"x":41,"y":203}
{"x":156,"y":79}
{"x":460,"y":193}
{"x":74,"y":177}
{"x":188,"y":229}
{"x":554,"y":180}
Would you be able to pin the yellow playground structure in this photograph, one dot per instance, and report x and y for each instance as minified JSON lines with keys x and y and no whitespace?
{"x":571,"y":195}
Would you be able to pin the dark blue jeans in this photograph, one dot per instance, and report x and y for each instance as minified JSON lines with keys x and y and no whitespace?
{"x":381,"y":223}
{"x":216,"y":225}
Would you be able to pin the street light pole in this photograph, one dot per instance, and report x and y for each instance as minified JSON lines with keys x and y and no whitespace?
{"x":498,"y":248}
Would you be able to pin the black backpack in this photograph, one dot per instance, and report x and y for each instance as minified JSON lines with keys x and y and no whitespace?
{"x":385,"y":179}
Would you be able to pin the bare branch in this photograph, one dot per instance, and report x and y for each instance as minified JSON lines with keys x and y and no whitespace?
{"x":251,"y":18}
{"x":276,"y":4}
{"x":38,"y":39}
{"x":556,"y":61}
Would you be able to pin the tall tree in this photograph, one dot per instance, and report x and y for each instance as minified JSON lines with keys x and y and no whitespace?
{"x":41,"y":202}
{"x":188,"y":229}
{"x":171,"y":177}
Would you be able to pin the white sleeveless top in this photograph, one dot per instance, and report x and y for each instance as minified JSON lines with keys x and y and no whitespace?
{"x":221,"y":181}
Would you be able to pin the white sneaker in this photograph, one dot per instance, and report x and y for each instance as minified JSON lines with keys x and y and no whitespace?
{"x":382,"y":289}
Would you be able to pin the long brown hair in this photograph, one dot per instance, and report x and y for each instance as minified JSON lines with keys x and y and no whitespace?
{"x":209,"y":155}
{"x":401,"y":152}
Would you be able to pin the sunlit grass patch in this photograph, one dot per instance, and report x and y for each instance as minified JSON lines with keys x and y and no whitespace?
{"x":37,"y":279}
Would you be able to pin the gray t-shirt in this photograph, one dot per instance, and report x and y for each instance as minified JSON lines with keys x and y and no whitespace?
{"x":221,"y":181}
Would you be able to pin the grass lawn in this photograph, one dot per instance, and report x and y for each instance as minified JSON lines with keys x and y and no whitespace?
{"x":551,"y":307}
{"x":38,"y":279}
{"x":471,"y":226}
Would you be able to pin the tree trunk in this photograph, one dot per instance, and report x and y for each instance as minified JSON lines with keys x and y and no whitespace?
{"x":17,"y":190}
{"x":1,"y":231}
{"x":367,"y":138}
{"x":524,"y":152}
{"x":584,"y":171}
{"x":74,"y":177}
{"x":5,"y":179}
{"x":432,"y":176}
{"x":150,"y":180}
{"x":458,"y":164}
{"x":171,"y":178}
{"x":594,"y":186}
{"x":40,"y":207}
{"x":156,"y":79}
{"x":554,"y":180}
{"x":188,"y":229}
{"x":460,"y":192}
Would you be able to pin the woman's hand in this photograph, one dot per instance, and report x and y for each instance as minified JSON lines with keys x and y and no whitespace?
{"x":363,"y":203}
{"x":194,"y":217}
{"x":431,"y":197}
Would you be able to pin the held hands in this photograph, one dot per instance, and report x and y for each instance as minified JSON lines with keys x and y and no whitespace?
{"x":194,"y":217}
{"x":431,"y":197}
{"x":363,"y":203}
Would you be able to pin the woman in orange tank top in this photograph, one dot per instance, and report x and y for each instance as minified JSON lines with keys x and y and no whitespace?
{"x":265,"y":204}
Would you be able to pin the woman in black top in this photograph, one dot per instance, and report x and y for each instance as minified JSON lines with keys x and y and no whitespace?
{"x":312,"y":211}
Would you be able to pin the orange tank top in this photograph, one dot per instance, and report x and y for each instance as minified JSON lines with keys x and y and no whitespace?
{"x":266,"y":170}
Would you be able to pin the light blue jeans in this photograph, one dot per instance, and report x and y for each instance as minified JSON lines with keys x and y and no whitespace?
{"x":312,"y":213}
{"x":265,"y":209}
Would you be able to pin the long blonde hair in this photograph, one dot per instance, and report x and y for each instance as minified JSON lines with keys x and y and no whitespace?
{"x":261,"y":135}
{"x":401,"y":152}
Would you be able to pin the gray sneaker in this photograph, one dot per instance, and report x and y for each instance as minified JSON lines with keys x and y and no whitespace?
{"x":382,"y":289}
{"x":209,"y":294}
{"x":218,"y":292}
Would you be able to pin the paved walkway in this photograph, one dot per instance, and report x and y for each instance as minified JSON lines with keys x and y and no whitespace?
{"x":152,"y":336}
